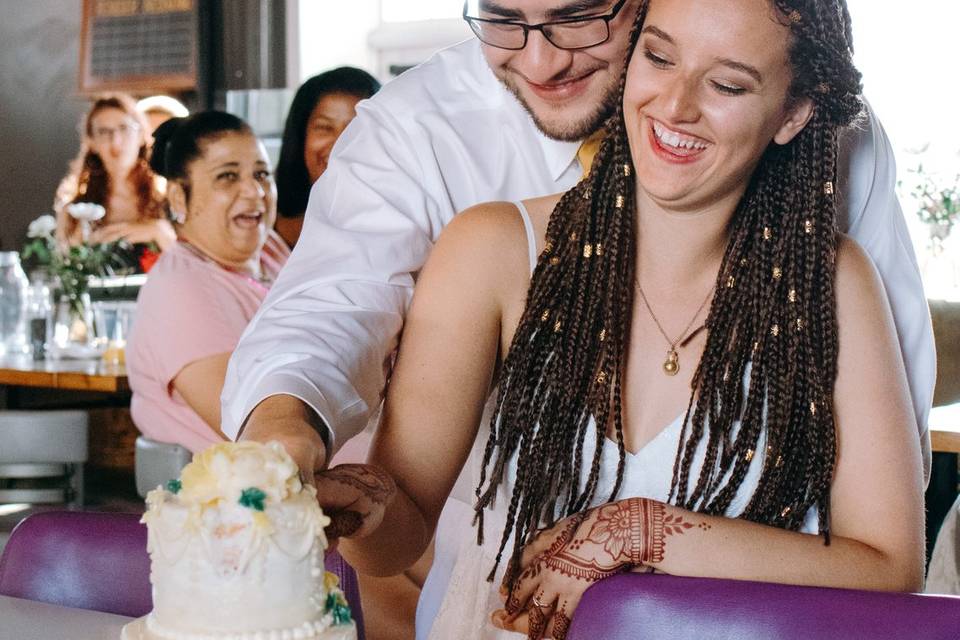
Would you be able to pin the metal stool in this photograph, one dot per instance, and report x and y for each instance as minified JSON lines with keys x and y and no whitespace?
{"x":157,"y":462}
{"x":35,"y":445}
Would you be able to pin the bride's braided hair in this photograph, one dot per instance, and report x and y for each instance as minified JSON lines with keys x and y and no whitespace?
{"x":774,"y":307}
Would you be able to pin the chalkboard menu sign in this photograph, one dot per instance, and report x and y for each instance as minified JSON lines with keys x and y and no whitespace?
{"x":139,"y":45}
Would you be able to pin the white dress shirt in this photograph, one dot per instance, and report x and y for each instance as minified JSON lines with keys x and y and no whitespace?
{"x":443,"y":137}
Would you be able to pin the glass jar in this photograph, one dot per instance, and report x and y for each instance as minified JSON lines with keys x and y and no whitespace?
{"x":39,"y":312}
{"x":13,"y":295}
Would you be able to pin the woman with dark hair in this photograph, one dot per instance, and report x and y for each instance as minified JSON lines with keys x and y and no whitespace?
{"x":112,"y":170}
{"x":204,"y":289}
{"x":322,"y":108}
{"x":701,"y":377}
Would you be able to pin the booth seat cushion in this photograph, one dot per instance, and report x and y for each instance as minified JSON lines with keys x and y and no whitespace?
{"x":655,"y":607}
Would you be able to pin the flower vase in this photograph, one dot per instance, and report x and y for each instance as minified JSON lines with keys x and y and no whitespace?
{"x":73,"y":328}
{"x":939,"y":232}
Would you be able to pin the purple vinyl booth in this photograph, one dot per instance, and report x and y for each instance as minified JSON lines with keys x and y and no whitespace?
{"x":99,"y":561}
{"x":657,"y":607}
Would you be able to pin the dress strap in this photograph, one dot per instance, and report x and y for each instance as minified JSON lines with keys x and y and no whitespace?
{"x":531,"y":236}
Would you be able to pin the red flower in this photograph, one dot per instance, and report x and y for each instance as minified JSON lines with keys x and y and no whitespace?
{"x":147,"y":259}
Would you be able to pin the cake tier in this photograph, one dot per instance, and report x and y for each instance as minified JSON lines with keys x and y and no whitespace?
{"x":229,"y":571}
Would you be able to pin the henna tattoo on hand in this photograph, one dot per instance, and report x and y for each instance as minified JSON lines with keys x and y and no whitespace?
{"x":561,"y":623}
{"x":537,"y":623}
{"x":619,"y":536}
{"x":635,"y":530}
{"x":513,"y":605}
{"x":373,"y":482}
{"x":573,"y":566}
{"x":343,"y":523}
{"x":676,"y":524}
{"x":631,"y":533}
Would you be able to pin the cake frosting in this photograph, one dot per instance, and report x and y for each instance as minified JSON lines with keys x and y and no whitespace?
{"x":236,"y":551}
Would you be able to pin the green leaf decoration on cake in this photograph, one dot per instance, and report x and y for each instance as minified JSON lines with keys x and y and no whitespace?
{"x":341,"y":614}
{"x":253,"y":498}
{"x":174,"y":486}
{"x":336,"y":605}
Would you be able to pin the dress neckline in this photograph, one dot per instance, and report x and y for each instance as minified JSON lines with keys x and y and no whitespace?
{"x":657,"y":436}
{"x":261,"y":283}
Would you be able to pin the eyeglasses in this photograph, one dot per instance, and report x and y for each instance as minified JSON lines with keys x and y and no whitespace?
{"x":579,"y":32}
{"x":106,"y":134}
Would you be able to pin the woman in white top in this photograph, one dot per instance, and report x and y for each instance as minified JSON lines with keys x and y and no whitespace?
{"x":706,"y":233}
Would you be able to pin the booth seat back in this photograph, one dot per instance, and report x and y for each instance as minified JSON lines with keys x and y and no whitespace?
{"x":99,"y":561}
{"x":653,"y":607}
{"x":79,"y":559}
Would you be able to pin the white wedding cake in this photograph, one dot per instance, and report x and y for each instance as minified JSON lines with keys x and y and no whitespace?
{"x":236,"y":552}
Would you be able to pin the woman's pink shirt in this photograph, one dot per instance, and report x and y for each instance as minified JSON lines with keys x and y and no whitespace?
{"x":189,"y":309}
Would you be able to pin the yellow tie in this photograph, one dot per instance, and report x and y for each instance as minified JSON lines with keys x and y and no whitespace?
{"x":588,"y":149}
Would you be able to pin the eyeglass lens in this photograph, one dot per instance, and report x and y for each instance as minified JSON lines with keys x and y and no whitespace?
{"x":574,"y":35}
{"x":107,"y":133}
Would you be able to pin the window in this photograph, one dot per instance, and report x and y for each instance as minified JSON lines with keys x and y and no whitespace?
{"x":908,"y":57}
{"x":907,"y":54}
{"x":409,"y":10}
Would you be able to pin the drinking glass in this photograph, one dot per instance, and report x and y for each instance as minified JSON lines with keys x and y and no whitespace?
{"x":113,"y":321}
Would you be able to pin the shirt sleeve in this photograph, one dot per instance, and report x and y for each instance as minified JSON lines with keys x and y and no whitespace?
{"x":329,"y":325}
{"x":868,"y":174}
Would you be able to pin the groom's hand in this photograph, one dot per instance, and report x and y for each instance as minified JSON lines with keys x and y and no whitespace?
{"x":294,"y":425}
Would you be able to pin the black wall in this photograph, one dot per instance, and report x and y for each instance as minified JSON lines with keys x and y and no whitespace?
{"x":242,"y":46}
{"x":39,"y":108}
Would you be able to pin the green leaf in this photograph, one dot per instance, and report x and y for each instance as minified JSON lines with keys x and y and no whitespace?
{"x":252,"y":498}
{"x":341,"y":614}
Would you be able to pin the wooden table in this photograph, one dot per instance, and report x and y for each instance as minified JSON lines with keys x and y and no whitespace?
{"x":75,"y":375}
{"x":945,"y":428}
{"x":104,"y":392}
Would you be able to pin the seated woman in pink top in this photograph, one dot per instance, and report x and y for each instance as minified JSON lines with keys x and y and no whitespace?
{"x":205,"y":289}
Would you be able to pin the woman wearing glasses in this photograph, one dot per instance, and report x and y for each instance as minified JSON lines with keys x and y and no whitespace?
{"x":680,"y":345}
{"x":112,"y":170}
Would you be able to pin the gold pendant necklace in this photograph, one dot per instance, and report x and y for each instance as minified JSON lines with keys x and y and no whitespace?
{"x":671,"y":366}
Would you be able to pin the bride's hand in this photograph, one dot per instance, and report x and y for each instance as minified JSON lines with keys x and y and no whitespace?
{"x":563,"y":561}
{"x":355,"y":498}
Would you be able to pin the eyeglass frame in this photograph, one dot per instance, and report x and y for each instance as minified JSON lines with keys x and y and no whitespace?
{"x":107,"y":134}
{"x":527,"y":28}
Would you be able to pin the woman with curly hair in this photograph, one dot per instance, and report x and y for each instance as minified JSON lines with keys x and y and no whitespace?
{"x":113,"y":170}
{"x":700,"y":378}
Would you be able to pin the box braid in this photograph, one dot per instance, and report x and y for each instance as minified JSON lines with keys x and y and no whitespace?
{"x":773,"y":310}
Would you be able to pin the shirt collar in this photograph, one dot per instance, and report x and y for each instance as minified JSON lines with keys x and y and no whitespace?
{"x":559,"y":154}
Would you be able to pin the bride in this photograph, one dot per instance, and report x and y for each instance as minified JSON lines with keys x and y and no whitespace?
{"x":701,"y":375}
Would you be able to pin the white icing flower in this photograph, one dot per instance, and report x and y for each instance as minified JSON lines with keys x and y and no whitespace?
{"x":225,"y":470}
{"x":42,"y":227}
{"x":86,"y":211}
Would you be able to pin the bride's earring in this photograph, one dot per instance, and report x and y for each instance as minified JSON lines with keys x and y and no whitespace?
{"x":178,"y":217}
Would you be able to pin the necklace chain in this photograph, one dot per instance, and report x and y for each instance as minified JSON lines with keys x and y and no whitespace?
{"x":672,"y":364}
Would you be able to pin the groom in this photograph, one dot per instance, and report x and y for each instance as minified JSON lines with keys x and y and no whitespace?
{"x":500,"y":117}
